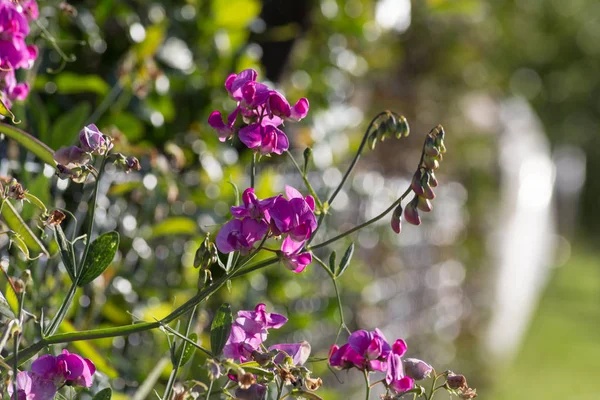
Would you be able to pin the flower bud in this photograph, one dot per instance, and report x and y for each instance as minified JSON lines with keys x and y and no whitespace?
{"x":402,"y":128}
{"x":456,"y":382}
{"x":416,"y":182}
{"x":132,"y":164}
{"x":411,"y":215}
{"x":416,"y":369}
{"x":307,"y":157}
{"x":206,"y":255}
{"x":424,"y":204}
{"x":397,"y":219}
{"x":430,"y":147}
{"x":427,"y":191}
{"x":431,"y":162}
{"x":433,"y":182}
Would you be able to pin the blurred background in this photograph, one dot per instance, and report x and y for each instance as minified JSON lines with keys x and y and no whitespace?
{"x":501,"y":282}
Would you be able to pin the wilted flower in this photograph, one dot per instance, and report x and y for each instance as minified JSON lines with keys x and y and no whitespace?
{"x":93,"y":141}
{"x":15,"y":190}
{"x":417,"y":369}
{"x":31,"y":386}
{"x":71,"y":157}
{"x":55,"y":218}
{"x":312,"y":384}
{"x":456,"y":382}
{"x":298,"y":352}
{"x":132,"y":164}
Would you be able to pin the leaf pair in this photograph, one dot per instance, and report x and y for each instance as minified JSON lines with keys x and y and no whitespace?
{"x":344,"y":263}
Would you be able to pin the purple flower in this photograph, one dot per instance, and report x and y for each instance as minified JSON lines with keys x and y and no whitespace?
{"x":71,"y":157}
{"x":68,"y":368}
{"x":254,"y":392}
{"x":292,"y":258}
{"x":93,"y":141}
{"x":262,"y":109}
{"x":299,"y":352}
{"x":14,"y":27}
{"x":294,"y":216}
{"x":344,"y":357}
{"x":249,"y":330}
{"x":365,"y":350}
{"x":416,"y":369}
{"x":267,"y":139}
{"x":31,"y":386}
{"x":396,"y":378}
{"x":240,"y":235}
{"x":253,"y":207}
{"x":216,"y":122}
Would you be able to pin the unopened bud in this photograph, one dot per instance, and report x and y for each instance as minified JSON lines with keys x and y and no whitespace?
{"x":397,"y":219}
{"x":19,"y":286}
{"x":411,"y":215}
{"x":416,"y":369}
{"x":427,"y":190}
{"x":433,"y":182}
{"x":431,"y":162}
{"x":402,"y":128}
{"x":430,"y":147}
{"x":456,"y":382}
{"x":424,"y":204}
{"x":307,"y":157}
{"x":415,"y":185}
{"x":206,"y":255}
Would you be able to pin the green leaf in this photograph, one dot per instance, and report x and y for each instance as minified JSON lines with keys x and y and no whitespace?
{"x":5,"y":308}
{"x":66,"y":128}
{"x":189,"y":350}
{"x":36,"y":202}
{"x":104,"y":394}
{"x":4,"y":111}
{"x":345,"y":261}
{"x":70,"y":83}
{"x":220,"y":329}
{"x":332,"y":257}
{"x":67,"y":252}
{"x":175,"y":226}
{"x":11,"y":298}
{"x":20,"y":228}
{"x":43,"y":152}
{"x":102,"y":252}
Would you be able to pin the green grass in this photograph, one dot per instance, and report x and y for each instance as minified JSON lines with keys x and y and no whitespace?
{"x":560,"y":356}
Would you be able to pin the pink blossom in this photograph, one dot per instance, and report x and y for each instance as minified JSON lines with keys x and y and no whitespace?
{"x":31,"y":386}
{"x":294,"y":215}
{"x":253,"y":207}
{"x":93,"y":141}
{"x":240,"y":235}
{"x":68,"y":368}
{"x":267,"y":139}
{"x":292,"y":258}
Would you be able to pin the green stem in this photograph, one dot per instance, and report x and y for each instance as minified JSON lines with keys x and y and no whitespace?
{"x":209,"y":389}
{"x":64,"y":307}
{"x":173,"y":376}
{"x":337,"y":295}
{"x":311,"y":190}
{"x":140,"y":327}
{"x":15,"y":364}
{"x":432,"y":391}
{"x":253,"y":170}
{"x":364,"y":224}
{"x":366,"y":373}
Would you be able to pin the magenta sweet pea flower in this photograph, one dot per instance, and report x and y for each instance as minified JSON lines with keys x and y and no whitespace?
{"x":240,"y":235}
{"x":395,"y":378}
{"x":294,"y":216}
{"x":225,"y":131}
{"x":344,"y":357}
{"x":31,"y":386}
{"x":66,"y":368}
{"x":93,"y":141}
{"x":373,"y":347}
{"x":299,"y":352}
{"x":300,"y":110}
{"x":267,"y":320}
{"x":292,"y":258}
{"x":267,"y":139}
{"x":253,"y":207}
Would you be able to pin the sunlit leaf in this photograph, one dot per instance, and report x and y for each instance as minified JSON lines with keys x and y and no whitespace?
{"x":345,"y":260}
{"x":189,"y":349}
{"x":11,"y":298}
{"x":45,"y":153}
{"x":234,"y":14}
{"x":17,"y":225}
{"x":35,"y":201}
{"x":220,"y":329}
{"x":101,"y":254}
{"x":67,"y":252}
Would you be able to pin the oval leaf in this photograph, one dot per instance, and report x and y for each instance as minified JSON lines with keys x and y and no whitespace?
{"x":67,"y":252}
{"x":345,"y":261}
{"x":188,"y":351}
{"x":104,"y":394}
{"x":45,"y":153}
{"x":332,"y":257}
{"x":102,"y":252}
{"x":220,"y":329}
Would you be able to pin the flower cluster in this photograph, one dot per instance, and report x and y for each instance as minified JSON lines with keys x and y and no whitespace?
{"x":49,"y":373}
{"x":257,"y":219}
{"x":370,"y":351}
{"x":423,"y":180}
{"x":15,"y":17}
{"x":248,"y":333}
{"x":262,"y":109}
